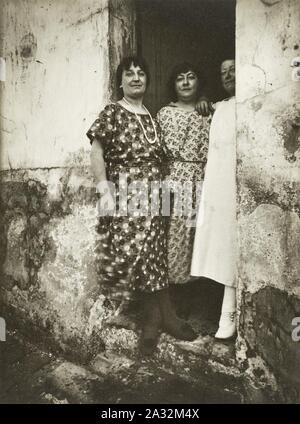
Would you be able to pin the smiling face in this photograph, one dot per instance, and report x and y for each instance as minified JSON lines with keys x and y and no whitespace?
{"x":134,"y":82}
{"x":228,"y":76}
{"x":186,"y":86}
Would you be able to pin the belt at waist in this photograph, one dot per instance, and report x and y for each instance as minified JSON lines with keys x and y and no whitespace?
{"x":185,"y":161}
{"x":137,"y":164}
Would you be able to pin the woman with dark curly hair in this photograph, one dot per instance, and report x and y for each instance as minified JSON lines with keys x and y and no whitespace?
{"x":126,"y":142}
{"x":185,"y":135}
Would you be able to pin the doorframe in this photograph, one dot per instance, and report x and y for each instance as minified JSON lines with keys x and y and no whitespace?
{"x":124,"y":39}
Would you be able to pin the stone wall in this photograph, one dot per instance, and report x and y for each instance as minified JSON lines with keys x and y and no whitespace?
{"x":58,"y":74}
{"x":60,"y":57}
{"x":268,"y":131}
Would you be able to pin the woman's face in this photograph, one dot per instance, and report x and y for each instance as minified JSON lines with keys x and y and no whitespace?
{"x":134,"y":82}
{"x":186,"y":86}
{"x":228,"y":76}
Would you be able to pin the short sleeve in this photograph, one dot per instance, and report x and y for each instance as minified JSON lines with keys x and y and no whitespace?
{"x":160,"y":116}
{"x":102,"y":127}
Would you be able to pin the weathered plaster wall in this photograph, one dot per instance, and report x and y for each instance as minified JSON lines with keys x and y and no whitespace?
{"x":47,"y":262}
{"x":58,"y":79}
{"x":268,"y":125}
{"x":57,"y":71}
{"x":122,"y":28}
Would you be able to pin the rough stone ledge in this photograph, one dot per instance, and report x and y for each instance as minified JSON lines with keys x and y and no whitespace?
{"x":114,"y":377}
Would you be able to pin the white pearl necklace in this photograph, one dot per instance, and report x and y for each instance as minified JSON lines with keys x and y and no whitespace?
{"x":141,"y":123}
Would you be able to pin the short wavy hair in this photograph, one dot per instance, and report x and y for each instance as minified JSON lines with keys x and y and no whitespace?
{"x":182,"y":68}
{"x":124,"y":65}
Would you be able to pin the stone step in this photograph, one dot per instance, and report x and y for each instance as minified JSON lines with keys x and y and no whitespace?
{"x":124,"y":340}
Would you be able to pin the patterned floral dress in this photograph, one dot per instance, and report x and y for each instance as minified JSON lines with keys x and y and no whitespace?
{"x":132,"y":249}
{"x":185,"y":136}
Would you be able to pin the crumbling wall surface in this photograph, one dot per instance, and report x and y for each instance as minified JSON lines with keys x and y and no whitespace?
{"x":48,"y":245}
{"x":122,"y":35}
{"x":58,"y":73}
{"x":268,"y":148}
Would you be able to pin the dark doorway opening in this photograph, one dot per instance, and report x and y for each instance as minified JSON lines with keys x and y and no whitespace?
{"x":172,"y":31}
{"x":201,"y":32}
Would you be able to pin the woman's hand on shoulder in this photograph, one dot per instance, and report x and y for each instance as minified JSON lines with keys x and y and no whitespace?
{"x":204,"y":107}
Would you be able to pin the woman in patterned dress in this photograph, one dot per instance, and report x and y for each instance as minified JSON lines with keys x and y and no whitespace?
{"x":185,"y":135}
{"x":127,"y":155}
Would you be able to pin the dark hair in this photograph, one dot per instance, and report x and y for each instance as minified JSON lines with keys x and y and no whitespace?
{"x":124,"y":65}
{"x":180,"y":69}
{"x":226,"y":58}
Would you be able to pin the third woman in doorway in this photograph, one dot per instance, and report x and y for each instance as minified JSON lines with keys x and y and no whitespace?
{"x":215,"y":248}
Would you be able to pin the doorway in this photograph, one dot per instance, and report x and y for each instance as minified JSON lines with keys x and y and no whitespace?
{"x":201,"y":32}
{"x":172,"y":31}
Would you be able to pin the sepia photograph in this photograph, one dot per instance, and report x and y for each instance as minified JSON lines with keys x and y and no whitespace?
{"x":149,"y":204}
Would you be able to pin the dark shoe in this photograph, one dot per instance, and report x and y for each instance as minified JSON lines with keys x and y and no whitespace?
{"x":180,"y":330}
{"x":147,"y":346}
{"x":170,"y":321}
